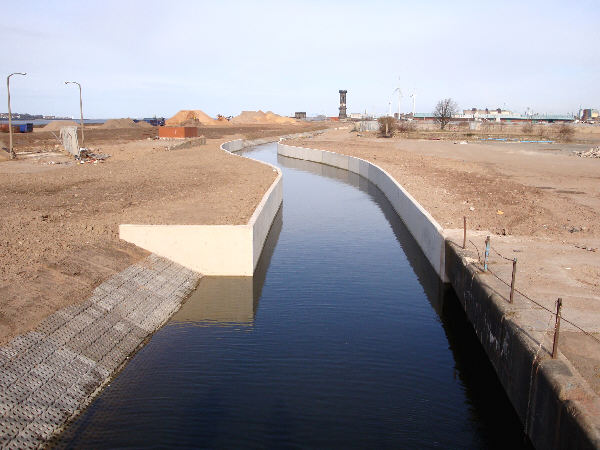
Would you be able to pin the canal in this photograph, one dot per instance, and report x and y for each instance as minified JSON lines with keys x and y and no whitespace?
{"x":343,"y":338}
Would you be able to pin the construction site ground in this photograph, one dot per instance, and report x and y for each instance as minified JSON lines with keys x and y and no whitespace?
{"x":539,"y":203}
{"x":59,"y":229}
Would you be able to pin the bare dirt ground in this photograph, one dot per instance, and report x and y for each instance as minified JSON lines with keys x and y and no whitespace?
{"x":59,"y":227}
{"x":538,"y":202}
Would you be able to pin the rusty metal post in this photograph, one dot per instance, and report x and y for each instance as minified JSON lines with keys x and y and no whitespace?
{"x":464,"y":232}
{"x":512,"y":283}
{"x":487,"y":254}
{"x":556,"y":329}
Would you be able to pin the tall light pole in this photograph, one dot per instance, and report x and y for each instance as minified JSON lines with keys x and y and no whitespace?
{"x":10,"y":145}
{"x":80,"y":108}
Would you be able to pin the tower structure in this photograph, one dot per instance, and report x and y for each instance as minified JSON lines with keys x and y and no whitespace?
{"x":343,"y":104}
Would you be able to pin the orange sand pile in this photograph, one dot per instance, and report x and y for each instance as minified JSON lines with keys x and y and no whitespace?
{"x":261,"y":117}
{"x":191,"y":117}
{"x":56,"y":125}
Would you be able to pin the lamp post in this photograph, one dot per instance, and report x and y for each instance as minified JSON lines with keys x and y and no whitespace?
{"x":80,"y":108}
{"x":10,"y":145}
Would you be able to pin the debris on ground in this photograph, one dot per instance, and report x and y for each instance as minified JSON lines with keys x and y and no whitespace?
{"x":87,"y":156}
{"x":585,"y":247}
{"x":591,"y":153}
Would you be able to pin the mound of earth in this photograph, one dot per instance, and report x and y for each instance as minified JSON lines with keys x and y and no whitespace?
{"x":56,"y":125}
{"x":190,"y":116}
{"x":112,"y":124}
{"x":261,"y":117}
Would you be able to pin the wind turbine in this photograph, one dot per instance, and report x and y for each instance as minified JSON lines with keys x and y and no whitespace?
{"x":390,"y":108}
{"x":414,"y":99}
{"x":399,"y":96}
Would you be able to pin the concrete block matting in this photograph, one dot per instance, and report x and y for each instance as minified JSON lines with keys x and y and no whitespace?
{"x":50,"y":374}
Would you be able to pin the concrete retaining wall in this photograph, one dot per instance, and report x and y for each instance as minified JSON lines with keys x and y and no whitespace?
{"x":227,"y":250}
{"x":556,"y":406}
{"x":425,"y":230}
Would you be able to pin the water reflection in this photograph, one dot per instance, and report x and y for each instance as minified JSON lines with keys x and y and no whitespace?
{"x":431,"y":283}
{"x":230,"y":300}
{"x":483,"y":390}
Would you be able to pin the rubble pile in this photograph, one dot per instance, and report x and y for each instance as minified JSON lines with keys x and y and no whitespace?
{"x":591,"y":153}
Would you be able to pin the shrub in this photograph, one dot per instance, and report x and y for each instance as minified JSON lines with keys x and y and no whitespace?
{"x":565,"y":132}
{"x":541,"y":131}
{"x":387,"y":126}
{"x":405,"y":127}
{"x":527,"y":128}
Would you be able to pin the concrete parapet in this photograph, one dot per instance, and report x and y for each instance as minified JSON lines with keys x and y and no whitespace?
{"x":423,"y":227}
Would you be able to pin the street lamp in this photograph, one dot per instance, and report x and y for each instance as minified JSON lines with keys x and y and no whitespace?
{"x":80,"y":108}
{"x":10,"y":146}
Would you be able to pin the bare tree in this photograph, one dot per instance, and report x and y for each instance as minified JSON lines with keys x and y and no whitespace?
{"x":444,"y":111}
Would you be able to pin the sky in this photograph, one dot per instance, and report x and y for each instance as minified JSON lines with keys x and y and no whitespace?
{"x":140,"y":59}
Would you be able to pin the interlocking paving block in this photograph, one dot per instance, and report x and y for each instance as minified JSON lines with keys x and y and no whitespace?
{"x":49,"y":373}
{"x":31,"y":382}
{"x":9,"y":376}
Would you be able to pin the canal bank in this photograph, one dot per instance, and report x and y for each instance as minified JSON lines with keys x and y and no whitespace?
{"x":547,"y":394}
{"x":350,"y":341}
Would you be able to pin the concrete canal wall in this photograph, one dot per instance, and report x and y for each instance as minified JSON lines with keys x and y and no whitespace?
{"x":423,"y":227}
{"x":215,"y":250}
{"x":556,"y":406}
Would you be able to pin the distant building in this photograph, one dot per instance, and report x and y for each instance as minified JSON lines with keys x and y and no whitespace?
{"x":487,"y":111}
{"x":589,"y":114}
{"x":300,"y":115}
{"x":360,"y":116}
{"x":498,"y":117}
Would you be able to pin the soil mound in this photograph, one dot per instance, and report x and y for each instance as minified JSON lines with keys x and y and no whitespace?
{"x":190,"y":117}
{"x":112,"y":124}
{"x":261,"y":118}
{"x":56,"y":125}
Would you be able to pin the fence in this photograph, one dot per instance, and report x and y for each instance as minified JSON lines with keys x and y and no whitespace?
{"x":555,"y":314}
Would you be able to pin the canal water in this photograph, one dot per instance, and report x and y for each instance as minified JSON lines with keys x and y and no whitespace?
{"x":344,"y":338}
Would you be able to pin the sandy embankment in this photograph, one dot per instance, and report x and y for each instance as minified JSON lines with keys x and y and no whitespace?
{"x":59,"y":228}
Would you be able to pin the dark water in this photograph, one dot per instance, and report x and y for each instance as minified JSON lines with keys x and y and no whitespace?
{"x":343,"y":338}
